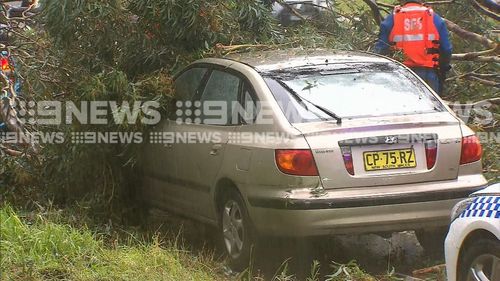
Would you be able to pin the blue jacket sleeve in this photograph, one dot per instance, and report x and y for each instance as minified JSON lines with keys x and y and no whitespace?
{"x":383,"y":46}
{"x":445,"y":46}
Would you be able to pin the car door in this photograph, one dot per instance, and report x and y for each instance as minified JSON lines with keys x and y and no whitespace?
{"x":207,"y":133}
{"x":162,"y":185}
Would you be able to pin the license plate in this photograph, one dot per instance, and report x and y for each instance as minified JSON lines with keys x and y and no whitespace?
{"x":389,"y":159}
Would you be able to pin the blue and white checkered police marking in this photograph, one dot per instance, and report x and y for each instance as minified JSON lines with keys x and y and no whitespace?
{"x":483,"y":207}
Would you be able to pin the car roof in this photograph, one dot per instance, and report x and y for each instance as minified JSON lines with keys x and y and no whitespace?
{"x":270,"y":60}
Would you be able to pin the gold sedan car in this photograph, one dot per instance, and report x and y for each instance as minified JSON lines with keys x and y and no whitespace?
{"x":309,"y":143}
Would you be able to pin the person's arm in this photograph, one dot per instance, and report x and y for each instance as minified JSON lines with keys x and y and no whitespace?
{"x":383,"y":45}
{"x":445,"y":47}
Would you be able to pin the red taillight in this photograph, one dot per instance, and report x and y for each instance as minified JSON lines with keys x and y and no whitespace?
{"x":347,"y":155}
{"x":297,"y":162}
{"x":5,"y":64}
{"x":431,"y":153}
{"x":472,"y":150}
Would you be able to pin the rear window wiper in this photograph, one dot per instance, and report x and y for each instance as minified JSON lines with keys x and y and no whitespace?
{"x":302,"y":101}
{"x":327,"y":111}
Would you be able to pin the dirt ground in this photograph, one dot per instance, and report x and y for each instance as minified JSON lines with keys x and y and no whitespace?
{"x":375,"y":254}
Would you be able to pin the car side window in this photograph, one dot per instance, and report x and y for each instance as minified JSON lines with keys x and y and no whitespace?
{"x":249,"y":104}
{"x":188,"y":83}
{"x":220,"y":95}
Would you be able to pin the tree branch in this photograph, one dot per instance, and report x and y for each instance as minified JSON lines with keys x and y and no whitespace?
{"x":479,"y":77}
{"x":484,"y":81}
{"x":468,"y":35}
{"x":375,"y":10}
{"x":483,"y":10}
{"x":11,"y":152}
{"x":480,"y":56}
{"x":467,"y":57}
{"x":385,"y":5}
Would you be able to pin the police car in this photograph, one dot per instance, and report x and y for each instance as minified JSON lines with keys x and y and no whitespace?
{"x":472,"y":246}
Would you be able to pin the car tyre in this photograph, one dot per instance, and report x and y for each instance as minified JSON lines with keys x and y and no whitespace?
{"x":236,"y":230}
{"x":432,"y":241}
{"x":480,"y":259}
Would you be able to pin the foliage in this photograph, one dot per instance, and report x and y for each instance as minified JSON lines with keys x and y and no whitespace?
{"x":40,"y":249}
{"x":195,"y":24}
{"x":351,"y":31}
{"x":466,"y":90}
{"x":122,"y":51}
{"x":349,"y":271}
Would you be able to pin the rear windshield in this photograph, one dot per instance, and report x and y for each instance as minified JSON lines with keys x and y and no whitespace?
{"x":350,"y":92}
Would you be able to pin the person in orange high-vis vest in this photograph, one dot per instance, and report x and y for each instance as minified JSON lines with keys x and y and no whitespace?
{"x":421,"y":35}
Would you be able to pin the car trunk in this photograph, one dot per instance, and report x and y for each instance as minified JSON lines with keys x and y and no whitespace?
{"x":385,"y":150}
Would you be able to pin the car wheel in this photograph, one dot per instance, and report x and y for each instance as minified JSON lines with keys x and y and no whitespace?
{"x":480,"y":261}
{"x":236,"y":231}
{"x":432,"y":241}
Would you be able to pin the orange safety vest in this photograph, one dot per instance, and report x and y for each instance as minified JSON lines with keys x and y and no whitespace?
{"x":416,"y":35}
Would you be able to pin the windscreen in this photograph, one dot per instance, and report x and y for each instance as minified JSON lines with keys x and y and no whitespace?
{"x":352,"y":92}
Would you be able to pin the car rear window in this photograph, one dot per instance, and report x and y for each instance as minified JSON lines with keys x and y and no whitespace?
{"x":351,"y":92}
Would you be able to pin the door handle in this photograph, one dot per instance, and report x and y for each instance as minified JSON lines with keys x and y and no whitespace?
{"x":215,"y":149}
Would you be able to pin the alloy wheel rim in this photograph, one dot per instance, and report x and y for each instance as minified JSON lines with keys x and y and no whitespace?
{"x":233,"y":228}
{"x":484,"y":268}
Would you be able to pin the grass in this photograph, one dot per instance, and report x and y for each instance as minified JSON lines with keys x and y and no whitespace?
{"x":49,"y":244}
{"x":40,"y":249}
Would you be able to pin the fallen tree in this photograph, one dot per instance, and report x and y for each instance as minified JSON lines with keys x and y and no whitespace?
{"x":128,"y":51}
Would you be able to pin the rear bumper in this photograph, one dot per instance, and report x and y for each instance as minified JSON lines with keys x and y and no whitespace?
{"x":362,"y":201}
{"x":379,"y":209}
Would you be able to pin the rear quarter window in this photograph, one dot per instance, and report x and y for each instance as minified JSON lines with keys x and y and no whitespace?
{"x":188,"y":83}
